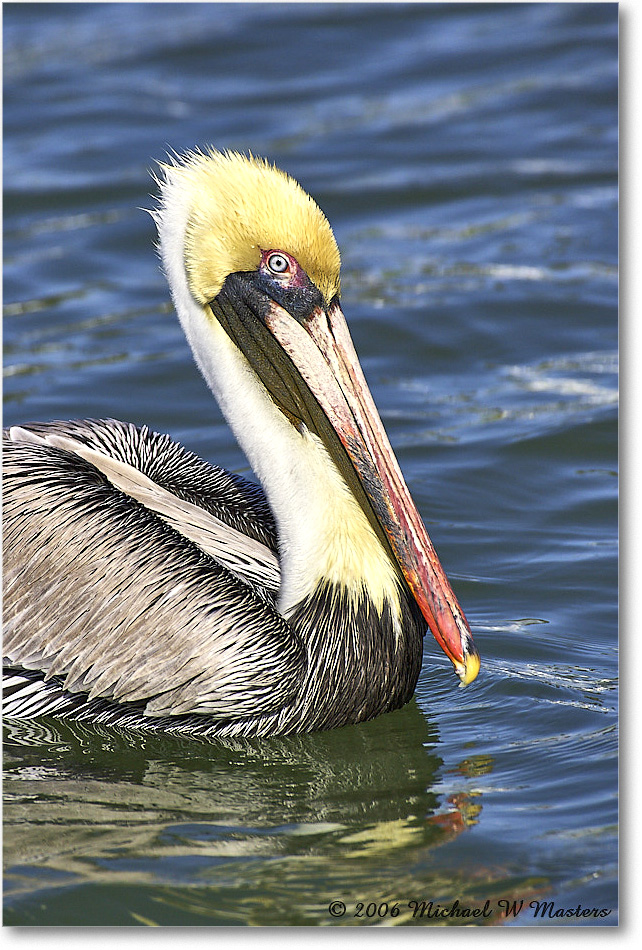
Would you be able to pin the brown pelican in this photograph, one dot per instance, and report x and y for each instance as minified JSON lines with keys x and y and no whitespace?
{"x":145,"y":587}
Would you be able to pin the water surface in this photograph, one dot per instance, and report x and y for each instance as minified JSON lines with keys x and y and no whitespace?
{"x":467,"y":158}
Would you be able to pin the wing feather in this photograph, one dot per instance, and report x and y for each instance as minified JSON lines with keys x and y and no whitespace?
{"x":114,"y":596}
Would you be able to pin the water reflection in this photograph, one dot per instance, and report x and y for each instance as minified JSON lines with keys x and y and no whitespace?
{"x":348,"y":813}
{"x":383,"y":770}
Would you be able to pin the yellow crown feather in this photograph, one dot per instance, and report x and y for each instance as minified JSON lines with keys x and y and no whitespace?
{"x":240,"y":205}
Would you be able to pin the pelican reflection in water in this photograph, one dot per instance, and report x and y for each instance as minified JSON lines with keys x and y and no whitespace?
{"x":145,"y":587}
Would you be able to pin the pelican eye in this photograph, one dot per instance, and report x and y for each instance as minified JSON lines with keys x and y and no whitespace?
{"x":278,"y":263}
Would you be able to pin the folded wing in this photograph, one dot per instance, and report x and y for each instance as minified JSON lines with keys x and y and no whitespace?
{"x":159,"y":601}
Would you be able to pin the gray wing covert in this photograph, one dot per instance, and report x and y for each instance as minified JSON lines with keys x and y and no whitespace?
{"x":103,"y":592}
{"x":237,"y":501}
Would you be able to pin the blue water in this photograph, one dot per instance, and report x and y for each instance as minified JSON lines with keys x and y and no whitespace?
{"x":466,"y":156}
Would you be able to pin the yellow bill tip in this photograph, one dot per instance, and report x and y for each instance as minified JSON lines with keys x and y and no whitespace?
{"x":468,"y":670}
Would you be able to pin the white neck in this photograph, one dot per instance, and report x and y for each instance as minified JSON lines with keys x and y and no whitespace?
{"x":323,"y":533}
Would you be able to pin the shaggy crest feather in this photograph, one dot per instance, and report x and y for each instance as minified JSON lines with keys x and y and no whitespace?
{"x":238,"y":206}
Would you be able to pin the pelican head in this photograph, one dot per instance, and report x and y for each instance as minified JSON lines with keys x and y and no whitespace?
{"x":254,"y":271}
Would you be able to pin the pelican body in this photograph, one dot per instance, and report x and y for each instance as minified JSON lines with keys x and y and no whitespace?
{"x":145,"y":587}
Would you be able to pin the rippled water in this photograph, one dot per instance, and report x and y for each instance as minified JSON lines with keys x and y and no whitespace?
{"x":467,"y":158}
